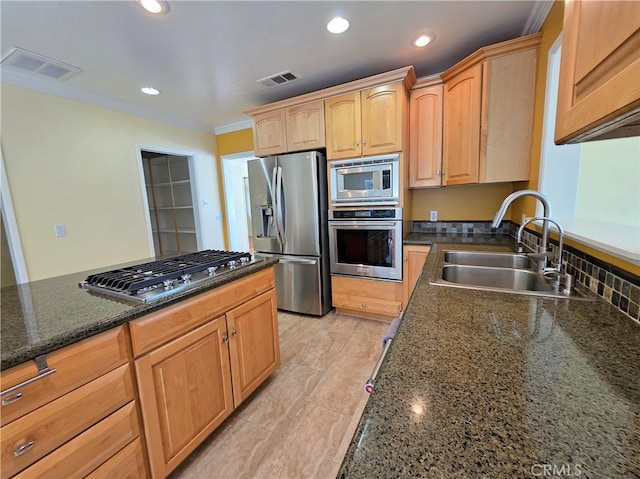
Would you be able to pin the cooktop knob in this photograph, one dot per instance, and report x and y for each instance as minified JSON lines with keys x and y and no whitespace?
{"x":212,"y":270}
{"x":186,"y":278}
{"x":232,"y":263}
{"x":169,"y":283}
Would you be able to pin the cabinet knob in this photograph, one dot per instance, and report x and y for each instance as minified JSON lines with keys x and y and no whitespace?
{"x":438,"y":172}
{"x":357,"y":142}
{"x":225,"y":339}
{"x":404,"y":258}
{"x":364,"y":141}
{"x":234,"y":333}
{"x":22,"y":449}
{"x":364,"y":305}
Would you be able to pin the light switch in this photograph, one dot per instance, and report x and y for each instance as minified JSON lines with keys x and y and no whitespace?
{"x":61,"y":230}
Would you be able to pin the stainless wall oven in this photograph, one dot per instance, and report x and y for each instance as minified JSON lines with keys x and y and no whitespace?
{"x":366,"y":243}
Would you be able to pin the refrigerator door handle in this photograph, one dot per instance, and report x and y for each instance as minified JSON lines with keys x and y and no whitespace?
{"x":274,"y":200}
{"x":278,"y":203}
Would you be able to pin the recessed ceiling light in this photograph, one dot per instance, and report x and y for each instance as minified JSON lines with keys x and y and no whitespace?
{"x":150,"y":90}
{"x":423,"y":39}
{"x":155,"y":6}
{"x":338,"y":25}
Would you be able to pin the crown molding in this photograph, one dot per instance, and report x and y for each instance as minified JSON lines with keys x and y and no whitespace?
{"x":537,"y":17}
{"x":231,"y":127}
{"x":63,"y":90}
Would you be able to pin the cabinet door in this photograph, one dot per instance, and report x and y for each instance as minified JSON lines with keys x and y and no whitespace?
{"x":343,"y":126}
{"x":269,"y":133}
{"x":382,"y":119}
{"x":425,"y":137}
{"x":305,"y":126}
{"x":599,"y":69}
{"x":414,"y":257}
{"x":461,"y":134}
{"x":185,"y":393}
{"x":508,"y":94}
{"x":254,"y":346}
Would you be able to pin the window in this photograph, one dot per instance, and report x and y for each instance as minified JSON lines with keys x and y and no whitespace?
{"x":593,"y":187}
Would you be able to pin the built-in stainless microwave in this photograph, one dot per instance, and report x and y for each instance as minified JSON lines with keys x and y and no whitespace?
{"x":369,"y":181}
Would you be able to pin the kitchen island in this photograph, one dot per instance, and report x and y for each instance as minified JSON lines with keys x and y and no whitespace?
{"x":95,"y":386}
{"x":501,"y":385}
{"x":41,"y":316}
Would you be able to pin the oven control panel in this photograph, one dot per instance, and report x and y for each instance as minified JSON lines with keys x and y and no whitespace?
{"x":378,"y":213}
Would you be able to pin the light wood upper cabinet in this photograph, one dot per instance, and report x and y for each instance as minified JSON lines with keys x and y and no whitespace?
{"x":599,"y":89}
{"x":488,"y":114}
{"x":305,"y":126}
{"x":364,"y":123}
{"x":383,"y":119}
{"x":425,"y":135}
{"x":413,"y":258}
{"x":291,"y":129}
{"x":343,"y":126}
{"x":270,"y":133}
{"x":461,"y":136}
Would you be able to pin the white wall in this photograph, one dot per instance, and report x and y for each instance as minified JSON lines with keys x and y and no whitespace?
{"x":76,"y":164}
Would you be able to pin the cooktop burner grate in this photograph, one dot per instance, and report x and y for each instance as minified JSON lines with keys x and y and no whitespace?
{"x":130,"y":280}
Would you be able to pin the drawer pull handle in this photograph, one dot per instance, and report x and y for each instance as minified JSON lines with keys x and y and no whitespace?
{"x":22,"y":449}
{"x":43,"y":371}
{"x":11,"y":399}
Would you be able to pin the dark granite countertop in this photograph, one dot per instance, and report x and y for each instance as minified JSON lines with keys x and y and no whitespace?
{"x":481,"y":384}
{"x":41,"y":316}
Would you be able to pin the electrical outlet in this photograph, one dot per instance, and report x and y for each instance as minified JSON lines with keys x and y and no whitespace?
{"x":434,"y":215}
{"x":60,"y":230}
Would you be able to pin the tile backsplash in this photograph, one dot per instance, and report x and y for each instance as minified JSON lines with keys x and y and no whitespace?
{"x":616,"y":286}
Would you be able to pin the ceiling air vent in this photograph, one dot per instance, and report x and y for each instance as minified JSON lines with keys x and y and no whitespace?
{"x":34,"y":63}
{"x":279,"y":78}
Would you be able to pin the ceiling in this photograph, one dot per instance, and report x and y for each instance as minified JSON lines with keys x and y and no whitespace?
{"x":206,"y":56}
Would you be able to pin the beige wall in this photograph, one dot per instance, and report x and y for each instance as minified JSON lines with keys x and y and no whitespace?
{"x":472,"y":202}
{"x":76,"y":164}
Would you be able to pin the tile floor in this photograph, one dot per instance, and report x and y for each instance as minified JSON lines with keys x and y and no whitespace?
{"x":300,"y":422}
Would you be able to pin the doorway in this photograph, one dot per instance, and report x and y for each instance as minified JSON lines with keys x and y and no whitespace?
{"x":238,"y":206}
{"x":171,"y":202}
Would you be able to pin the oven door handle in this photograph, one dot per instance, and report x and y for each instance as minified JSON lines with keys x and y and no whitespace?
{"x":365,"y":224}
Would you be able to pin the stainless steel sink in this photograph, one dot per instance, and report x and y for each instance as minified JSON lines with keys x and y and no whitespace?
{"x":492,"y":259}
{"x":497,"y":271}
{"x":501,"y":278}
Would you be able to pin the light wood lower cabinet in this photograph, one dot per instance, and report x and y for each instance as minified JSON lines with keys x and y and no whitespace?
{"x":68,"y":423}
{"x":413,"y":258}
{"x":190,"y":384}
{"x":367,"y":297}
{"x":185,"y":393}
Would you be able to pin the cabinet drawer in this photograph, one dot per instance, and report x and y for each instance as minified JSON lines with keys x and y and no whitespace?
{"x":127,"y":464}
{"x":157,"y":328}
{"x":367,"y":306}
{"x":75,"y":365}
{"x":369,"y":288}
{"x":87,"y":451}
{"x":41,"y":431}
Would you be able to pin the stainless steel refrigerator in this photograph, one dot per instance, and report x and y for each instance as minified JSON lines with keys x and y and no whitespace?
{"x":289,"y":219}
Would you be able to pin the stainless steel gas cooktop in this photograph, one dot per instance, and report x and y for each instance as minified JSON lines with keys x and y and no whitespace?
{"x":149,"y":282}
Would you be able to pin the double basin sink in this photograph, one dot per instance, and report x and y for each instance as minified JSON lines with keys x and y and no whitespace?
{"x":505,"y":272}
